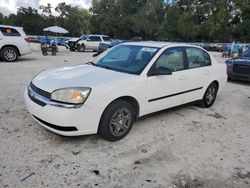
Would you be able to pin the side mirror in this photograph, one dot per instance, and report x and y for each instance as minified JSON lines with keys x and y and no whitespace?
{"x":88,"y":40}
{"x":161,"y":71}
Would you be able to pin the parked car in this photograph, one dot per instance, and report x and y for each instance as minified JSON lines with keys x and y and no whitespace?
{"x":13,"y":43}
{"x":72,"y":43}
{"x":239,"y":68}
{"x":92,"y":42}
{"x":126,"y":82}
{"x":104,"y":46}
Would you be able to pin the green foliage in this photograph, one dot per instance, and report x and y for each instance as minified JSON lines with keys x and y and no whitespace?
{"x":170,"y":20}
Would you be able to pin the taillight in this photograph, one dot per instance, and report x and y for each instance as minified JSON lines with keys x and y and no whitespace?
{"x":27,"y":39}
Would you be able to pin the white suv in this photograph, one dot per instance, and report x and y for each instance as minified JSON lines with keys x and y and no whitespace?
{"x":13,"y":43}
{"x":92,"y":42}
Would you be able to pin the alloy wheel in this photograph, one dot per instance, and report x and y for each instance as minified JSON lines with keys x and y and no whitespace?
{"x":10,"y":55}
{"x":120,"y":122}
{"x":211,"y":95}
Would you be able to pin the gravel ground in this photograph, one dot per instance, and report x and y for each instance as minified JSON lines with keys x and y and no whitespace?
{"x":185,"y":147}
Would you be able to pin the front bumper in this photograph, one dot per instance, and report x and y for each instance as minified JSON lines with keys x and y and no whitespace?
{"x":237,"y":76}
{"x":64,"y":121}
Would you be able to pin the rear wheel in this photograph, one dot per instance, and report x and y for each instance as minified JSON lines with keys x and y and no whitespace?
{"x":9,"y":54}
{"x":209,"y":96}
{"x":116,"y":121}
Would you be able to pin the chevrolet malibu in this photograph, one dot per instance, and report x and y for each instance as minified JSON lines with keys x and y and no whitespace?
{"x":126,"y":82}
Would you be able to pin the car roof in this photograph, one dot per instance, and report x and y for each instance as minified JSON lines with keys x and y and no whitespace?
{"x":159,"y":44}
{"x":99,"y":35}
{"x":9,"y":26}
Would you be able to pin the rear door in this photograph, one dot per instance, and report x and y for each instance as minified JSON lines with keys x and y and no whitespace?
{"x":165,"y":91}
{"x":93,"y":42}
{"x":9,"y":36}
{"x":198,"y":73}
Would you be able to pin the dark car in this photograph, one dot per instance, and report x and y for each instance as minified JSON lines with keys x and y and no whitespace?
{"x":104,"y":46}
{"x":239,"y":68}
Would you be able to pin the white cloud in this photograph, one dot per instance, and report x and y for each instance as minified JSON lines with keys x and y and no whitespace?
{"x":11,"y":6}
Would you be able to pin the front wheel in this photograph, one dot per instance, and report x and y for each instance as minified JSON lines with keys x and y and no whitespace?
{"x":116,"y":121}
{"x":9,"y":54}
{"x":81,"y":48}
{"x":209,"y":96}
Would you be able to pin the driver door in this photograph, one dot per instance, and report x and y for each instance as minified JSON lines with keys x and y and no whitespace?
{"x":165,"y":91}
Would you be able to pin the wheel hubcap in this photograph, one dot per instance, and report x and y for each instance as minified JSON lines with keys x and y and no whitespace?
{"x":211,"y":94}
{"x":10,"y":55}
{"x":120,"y":122}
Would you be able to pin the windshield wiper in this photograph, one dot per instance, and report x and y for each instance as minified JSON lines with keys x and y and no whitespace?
{"x":91,"y":63}
{"x":104,"y":66}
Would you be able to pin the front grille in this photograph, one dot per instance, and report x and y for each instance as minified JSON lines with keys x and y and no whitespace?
{"x":36,"y":100}
{"x":40,"y":91}
{"x":59,"y":128}
{"x":72,"y":44}
{"x":241,"y":69}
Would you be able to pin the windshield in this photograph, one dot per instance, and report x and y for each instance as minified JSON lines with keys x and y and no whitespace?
{"x":84,"y":37}
{"x":126,"y":58}
{"x":246,"y":53}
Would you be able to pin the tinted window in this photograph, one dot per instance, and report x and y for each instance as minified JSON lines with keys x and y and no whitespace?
{"x":106,"y":38}
{"x":198,"y":58}
{"x":246,"y":53}
{"x":126,"y":58}
{"x":84,"y":37}
{"x":94,"y":38}
{"x":9,"y":31}
{"x":171,"y":59}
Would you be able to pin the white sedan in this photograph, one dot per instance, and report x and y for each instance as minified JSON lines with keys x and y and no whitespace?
{"x":126,"y":82}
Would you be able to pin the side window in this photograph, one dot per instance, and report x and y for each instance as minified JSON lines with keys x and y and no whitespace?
{"x":9,"y":32}
{"x":95,"y":38}
{"x":171,"y":59}
{"x":197,"y":58}
{"x":106,"y":39}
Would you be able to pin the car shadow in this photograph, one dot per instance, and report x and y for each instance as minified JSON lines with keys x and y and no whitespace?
{"x":240,"y":82}
{"x":95,"y":138}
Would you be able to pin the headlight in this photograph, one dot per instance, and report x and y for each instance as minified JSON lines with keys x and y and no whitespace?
{"x":71,"y":95}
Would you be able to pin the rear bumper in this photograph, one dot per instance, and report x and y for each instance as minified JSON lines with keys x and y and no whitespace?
{"x":25,"y":50}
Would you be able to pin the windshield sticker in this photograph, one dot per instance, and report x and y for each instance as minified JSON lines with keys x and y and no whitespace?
{"x":149,"y":49}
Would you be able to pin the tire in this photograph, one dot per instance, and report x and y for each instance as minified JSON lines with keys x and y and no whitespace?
{"x":81,"y":48}
{"x":117,"y":120}
{"x":209,"y":96}
{"x":9,"y":54}
{"x":71,"y":49}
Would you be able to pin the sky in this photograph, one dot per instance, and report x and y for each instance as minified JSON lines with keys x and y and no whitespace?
{"x":11,"y":6}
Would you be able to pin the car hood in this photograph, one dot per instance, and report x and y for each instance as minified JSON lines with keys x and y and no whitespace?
{"x":77,"y":76}
{"x":240,"y":60}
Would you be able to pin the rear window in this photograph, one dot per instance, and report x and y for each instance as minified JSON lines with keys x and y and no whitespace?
{"x":197,"y":58}
{"x":9,"y":31}
{"x":106,"y":38}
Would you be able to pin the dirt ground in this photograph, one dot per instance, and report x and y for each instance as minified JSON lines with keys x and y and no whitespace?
{"x":185,"y":147}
